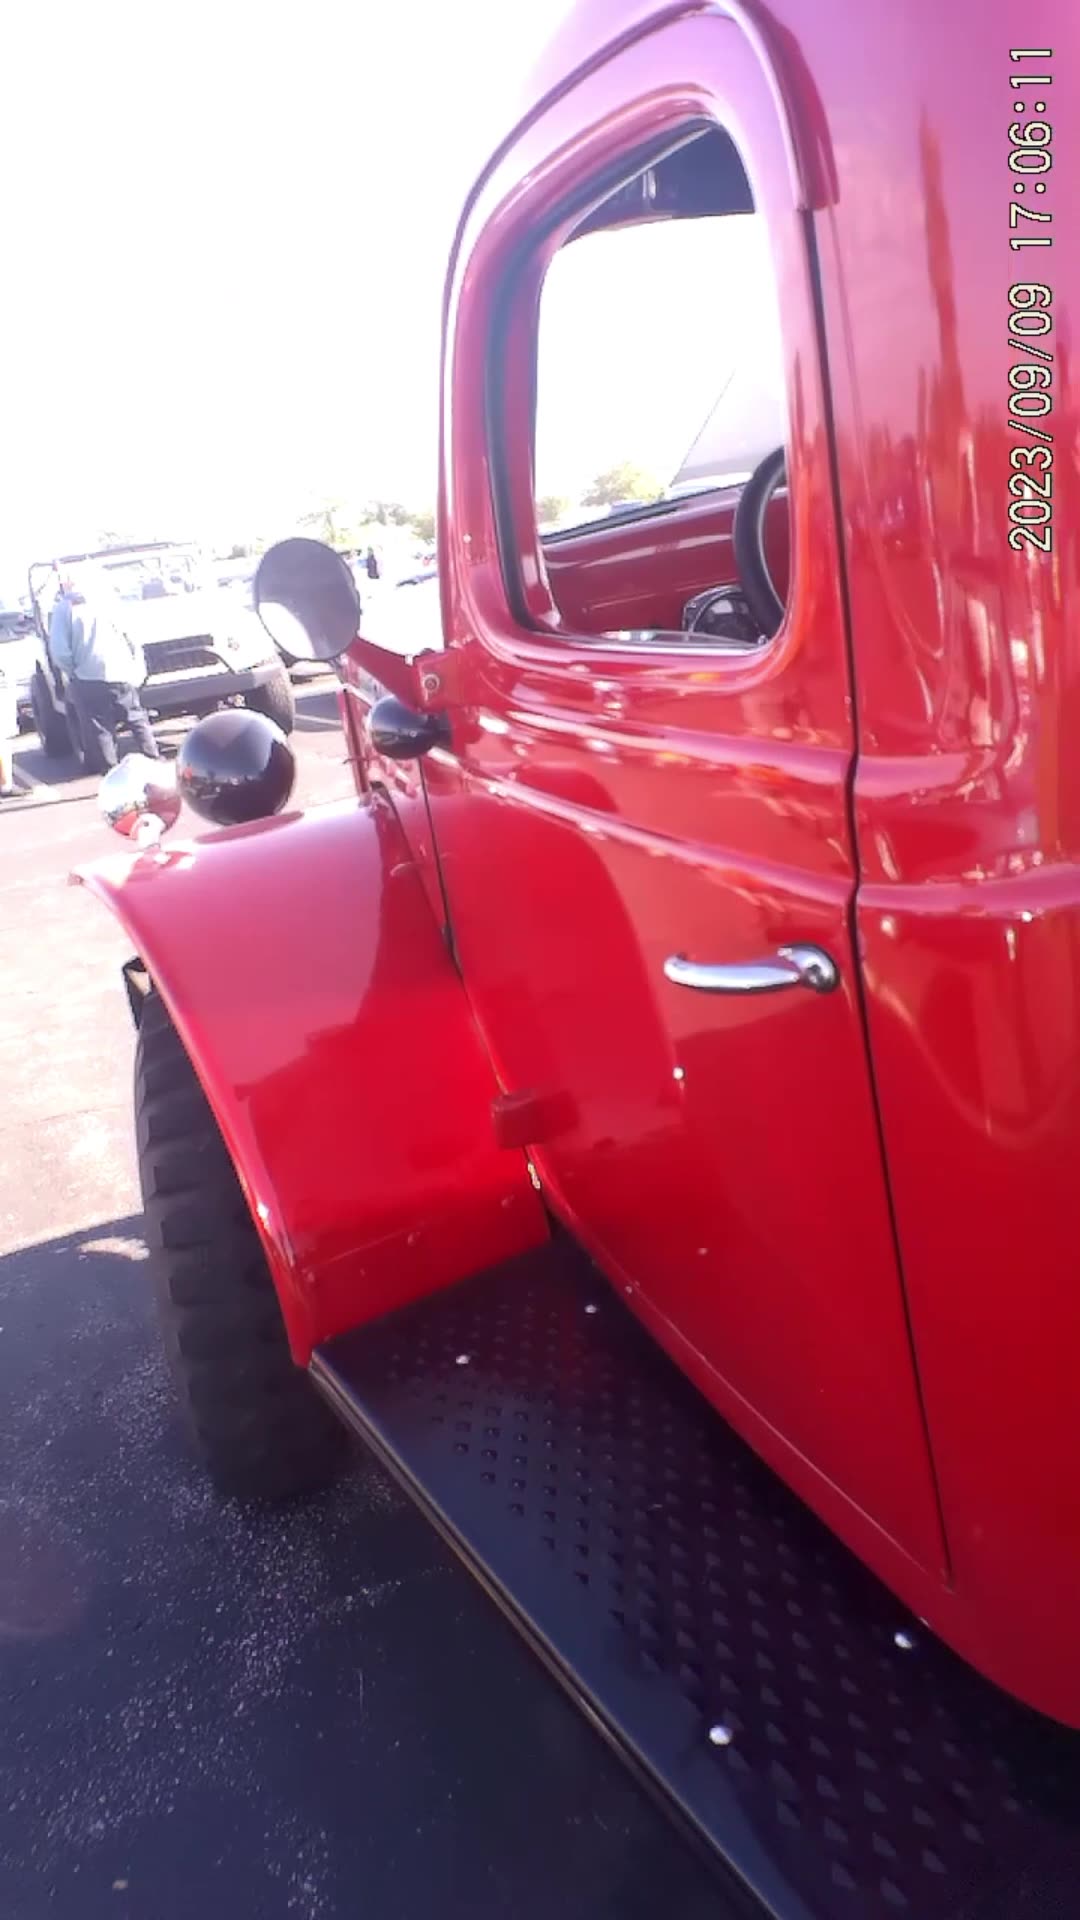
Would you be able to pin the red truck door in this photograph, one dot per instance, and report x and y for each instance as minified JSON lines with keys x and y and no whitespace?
{"x":624,"y":804}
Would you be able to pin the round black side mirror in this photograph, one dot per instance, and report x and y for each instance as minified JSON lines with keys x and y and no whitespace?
{"x":306,"y":599}
{"x":400,"y":733}
{"x":235,"y":765}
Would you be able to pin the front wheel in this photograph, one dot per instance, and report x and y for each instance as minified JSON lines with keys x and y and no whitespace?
{"x":275,"y":698}
{"x":256,"y":1420}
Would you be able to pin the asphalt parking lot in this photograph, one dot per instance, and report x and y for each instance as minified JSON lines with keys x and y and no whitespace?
{"x":204,"y":1709}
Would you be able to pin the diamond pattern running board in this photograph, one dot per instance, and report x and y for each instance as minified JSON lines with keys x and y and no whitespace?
{"x":717,"y":1633}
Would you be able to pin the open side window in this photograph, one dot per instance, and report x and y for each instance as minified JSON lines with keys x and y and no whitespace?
{"x":659,"y":394}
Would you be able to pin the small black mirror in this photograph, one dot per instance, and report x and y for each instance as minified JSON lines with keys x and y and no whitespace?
{"x":307,"y":600}
{"x":400,"y":733}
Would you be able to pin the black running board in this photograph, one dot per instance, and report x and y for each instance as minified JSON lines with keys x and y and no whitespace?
{"x":712,"y":1628}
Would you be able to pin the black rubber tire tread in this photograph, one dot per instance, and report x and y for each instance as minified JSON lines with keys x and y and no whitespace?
{"x":257,"y":1422}
{"x":50,"y":724}
{"x":276,"y":699}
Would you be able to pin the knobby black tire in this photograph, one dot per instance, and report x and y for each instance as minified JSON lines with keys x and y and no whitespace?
{"x":256,"y":1420}
{"x":276,"y":699}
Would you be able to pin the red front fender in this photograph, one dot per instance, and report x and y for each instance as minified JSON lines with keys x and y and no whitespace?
{"x":302,"y":967}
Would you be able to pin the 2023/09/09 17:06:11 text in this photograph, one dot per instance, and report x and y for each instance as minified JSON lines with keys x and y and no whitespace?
{"x":1031,"y":319}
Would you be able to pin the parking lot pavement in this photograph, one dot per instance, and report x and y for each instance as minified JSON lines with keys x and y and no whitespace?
{"x":205,"y":1709}
{"x":321,"y":774}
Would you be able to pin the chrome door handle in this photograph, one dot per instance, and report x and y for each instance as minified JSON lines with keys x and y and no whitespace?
{"x":797,"y":966}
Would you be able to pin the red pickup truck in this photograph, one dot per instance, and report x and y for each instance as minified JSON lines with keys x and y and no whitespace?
{"x":649,"y":1113}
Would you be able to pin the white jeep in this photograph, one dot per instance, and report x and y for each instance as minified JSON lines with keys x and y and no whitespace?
{"x":203,"y":645}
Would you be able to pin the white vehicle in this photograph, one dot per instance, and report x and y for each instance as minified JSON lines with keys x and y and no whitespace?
{"x":203,"y":644}
{"x":18,"y":656}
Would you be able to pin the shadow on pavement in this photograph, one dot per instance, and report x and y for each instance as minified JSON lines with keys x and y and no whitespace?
{"x":317,"y":709}
{"x":33,"y":763}
{"x":304,"y":1711}
{"x":316,"y":712}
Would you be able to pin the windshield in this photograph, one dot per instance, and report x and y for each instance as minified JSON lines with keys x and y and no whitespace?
{"x":660,"y":366}
{"x":144,"y":576}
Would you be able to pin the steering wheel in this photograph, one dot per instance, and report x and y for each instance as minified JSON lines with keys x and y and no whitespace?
{"x":748,"y":541}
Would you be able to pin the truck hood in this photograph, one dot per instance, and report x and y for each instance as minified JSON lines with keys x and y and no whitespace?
{"x":183,"y":616}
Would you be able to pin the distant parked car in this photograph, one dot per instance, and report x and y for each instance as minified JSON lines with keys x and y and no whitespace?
{"x":18,"y":654}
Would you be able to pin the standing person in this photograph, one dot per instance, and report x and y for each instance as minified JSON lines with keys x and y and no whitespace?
{"x":104,"y":670}
{"x":356,"y":567}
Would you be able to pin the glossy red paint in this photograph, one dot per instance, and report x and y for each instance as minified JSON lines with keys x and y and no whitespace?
{"x":399,"y":778}
{"x":967,"y":793}
{"x":352,"y":713}
{"x":602,"y":806}
{"x":640,"y":572}
{"x":308,"y":979}
{"x":612,"y":806}
{"x":893,"y":777}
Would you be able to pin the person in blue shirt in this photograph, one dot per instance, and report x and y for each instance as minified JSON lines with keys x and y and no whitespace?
{"x":104,"y":670}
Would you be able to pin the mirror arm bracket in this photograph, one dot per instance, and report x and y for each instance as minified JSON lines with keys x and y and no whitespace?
{"x":429,"y":682}
{"x":394,"y":671}
{"x":442,"y":677}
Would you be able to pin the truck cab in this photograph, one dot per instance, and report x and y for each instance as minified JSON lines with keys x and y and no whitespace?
{"x":699,"y":1254}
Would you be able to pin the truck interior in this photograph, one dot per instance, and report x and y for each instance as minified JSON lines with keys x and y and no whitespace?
{"x":681,"y":392}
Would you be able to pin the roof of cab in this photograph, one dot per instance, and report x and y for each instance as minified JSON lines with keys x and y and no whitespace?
{"x":588,"y":29}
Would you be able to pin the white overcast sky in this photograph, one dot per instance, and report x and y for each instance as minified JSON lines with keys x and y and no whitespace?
{"x":226,"y":231}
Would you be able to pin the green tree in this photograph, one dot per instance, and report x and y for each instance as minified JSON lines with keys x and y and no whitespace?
{"x":389,"y":513}
{"x":624,"y":482}
{"x":327,"y":522}
{"x":550,"y":509}
{"x":423,"y":525}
